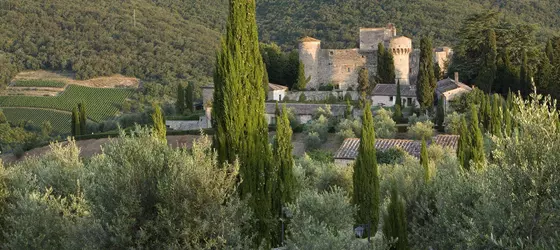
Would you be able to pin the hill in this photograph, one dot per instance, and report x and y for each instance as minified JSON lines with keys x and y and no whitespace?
{"x":168,"y":40}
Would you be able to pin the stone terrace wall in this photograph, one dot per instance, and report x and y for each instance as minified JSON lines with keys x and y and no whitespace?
{"x":321,"y":95}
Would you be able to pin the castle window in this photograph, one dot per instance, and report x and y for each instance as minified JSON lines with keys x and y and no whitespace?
{"x":331,"y":52}
{"x":349,"y":69}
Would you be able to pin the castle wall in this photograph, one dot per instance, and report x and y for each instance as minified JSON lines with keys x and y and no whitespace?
{"x":341,"y":67}
{"x":414,"y":66}
{"x":309,"y":53}
{"x":401,"y":48}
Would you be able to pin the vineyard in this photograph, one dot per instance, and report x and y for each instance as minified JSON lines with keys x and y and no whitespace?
{"x":60,"y":121}
{"x":100,"y":103}
{"x":39,"y":84}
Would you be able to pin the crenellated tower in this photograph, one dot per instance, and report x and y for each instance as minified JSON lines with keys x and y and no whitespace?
{"x":401,"y":47}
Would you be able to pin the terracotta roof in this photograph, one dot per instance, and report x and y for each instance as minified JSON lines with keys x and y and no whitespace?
{"x":448,"y":85}
{"x":350,"y":146}
{"x":307,"y":109}
{"x":309,"y":39}
{"x":272,"y":86}
{"x":391,"y":90}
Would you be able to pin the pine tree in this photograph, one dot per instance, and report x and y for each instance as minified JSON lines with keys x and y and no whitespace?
{"x":440,"y":113}
{"x":394,"y":226}
{"x":365,"y":176}
{"x":159,"y":128}
{"x":487,"y":75}
{"x":75,"y":122}
{"x":241,"y":129}
{"x":189,"y":97}
{"x":477,"y":144}
{"x":424,"y":161}
{"x":463,"y":149}
{"x":302,"y":81}
{"x":426,"y":83}
{"x":363,"y":85}
{"x":398,"y":116}
{"x":180,"y":103}
{"x":83,"y":118}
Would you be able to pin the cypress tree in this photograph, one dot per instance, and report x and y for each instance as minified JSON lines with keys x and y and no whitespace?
{"x":440,"y":113}
{"x":438,"y":72}
{"x":365,"y":177}
{"x":398,"y":116}
{"x":83,"y":118}
{"x":545,"y":78}
{"x":189,"y":97}
{"x":394,"y":225}
{"x":75,"y":122}
{"x":525,"y":76}
{"x":301,"y":82}
{"x":424,"y":161}
{"x":241,"y":129}
{"x":487,"y":75}
{"x":496,"y":128}
{"x":389,"y":62}
{"x":477,"y":144}
{"x":507,"y":117}
{"x":180,"y":103}
{"x":3,"y":118}
{"x":363,"y":85}
{"x":348,"y":112}
{"x":381,"y":66}
{"x":463,"y":150}
{"x":158,"y":121}
{"x":486,"y":112}
{"x":426,"y":82}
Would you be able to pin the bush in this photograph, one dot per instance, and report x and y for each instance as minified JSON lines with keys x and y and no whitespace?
{"x":349,"y":129}
{"x":332,"y":98}
{"x":453,"y":123}
{"x":390,"y":156}
{"x":413,"y":119}
{"x":384,"y":125}
{"x":421,"y":130}
{"x":348,"y":96}
{"x":302,"y":98}
{"x":328,"y":87}
{"x":321,"y":156}
{"x":312,"y":141}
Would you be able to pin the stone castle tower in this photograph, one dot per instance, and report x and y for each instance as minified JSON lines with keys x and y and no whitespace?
{"x":340,"y":67}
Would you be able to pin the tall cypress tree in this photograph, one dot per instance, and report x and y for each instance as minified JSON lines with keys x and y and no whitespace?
{"x":525,"y":76}
{"x":424,"y":161}
{"x":363,"y":85}
{"x":83,"y":118}
{"x":301,"y":82}
{"x":486,"y":112}
{"x":440,"y":113}
{"x":507,"y":116}
{"x":398,"y":116}
{"x":381,"y":66}
{"x":477,"y":144}
{"x":189,"y":97}
{"x":75,"y":122}
{"x":394,"y":225}
{"x":239,"y":111}
{"x":180,"y":104}
{"x":496,"y":128}
{"x":426,"y":83}
{"x":159,"y":128}
{"x":365,"y":176}
{"x":389,"y":62}
{"x":487,"y":75}
{"x":463,"y":150}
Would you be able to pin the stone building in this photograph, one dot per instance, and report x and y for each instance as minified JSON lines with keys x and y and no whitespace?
{"x":449,"y":89}
{"x":340,"y":67}
{"x":385,"y":95}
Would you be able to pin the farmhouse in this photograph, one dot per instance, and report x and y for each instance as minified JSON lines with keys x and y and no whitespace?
{"x":348,"y":152}
{"x":385,"y":95}
{"x":449,"y":89}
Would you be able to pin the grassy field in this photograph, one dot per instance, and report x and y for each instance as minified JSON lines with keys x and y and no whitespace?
{"x":39,"y":84}
{"x":60,"y":121}
{"x":101,"y":103}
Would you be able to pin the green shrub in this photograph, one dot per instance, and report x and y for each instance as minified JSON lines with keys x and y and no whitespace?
{"x":312,"y":141}
{"x":302,"y":98}
{"x":452,"y":123}
{"x":321,"y":156}
{"x":421,"y":130}
{"x":384,"y":125}
{"x":390,"y":156}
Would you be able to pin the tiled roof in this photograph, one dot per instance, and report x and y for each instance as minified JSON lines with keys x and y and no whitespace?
{"x":391,"y":90}
{"x":448,"y":85}
{"x":309,"y":39}
{"x":272,"y":86}
{"x":350,"y":146}
{"x":307,"y":109}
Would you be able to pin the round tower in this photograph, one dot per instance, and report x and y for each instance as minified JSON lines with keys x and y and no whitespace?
{"x":309,"y":51}
{"x":401,"y":47}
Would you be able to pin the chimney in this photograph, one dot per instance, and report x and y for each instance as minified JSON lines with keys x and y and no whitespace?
{"x":456,"y":77}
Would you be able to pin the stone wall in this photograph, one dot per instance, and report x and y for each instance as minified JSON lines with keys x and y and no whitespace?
{"x":321,"y":95}
{"x":202,"y":123}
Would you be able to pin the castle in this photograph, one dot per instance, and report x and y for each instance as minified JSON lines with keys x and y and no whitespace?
{"x":341,"y":67}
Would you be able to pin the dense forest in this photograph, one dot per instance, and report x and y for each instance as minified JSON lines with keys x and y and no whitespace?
{"x":166,"y":40}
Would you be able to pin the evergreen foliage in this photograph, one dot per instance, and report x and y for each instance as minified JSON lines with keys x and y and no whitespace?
{"x":463,"y":149}
{"x":389,"y":67}
{"x":180,"y":103}
{"x":398,"y":115}
{"x":3,"y":118}
{"x":363,"y":85}
{"x":394,"y":221}
{"x":75,"y":122}
{"x":496,"y":127}
{"x":440,"y":113}
{"x":385,"y":65}
{"x":525,"y":76}
{"x":477,"y":144}
{"x":507,"y":77}
{"x":83,"y":118}
{"x":302,"y":81}
{"x":365,"y":177}
{"x":348,"y":112}
{"x":426,"y":82}
{"x":238,"y":112}
{"x":424,"y":161}
{"x":487,"y":75}
{"x":508,"y":128}
{"x":159,"y":128}
{"x":302,"y":98}
{"x":189,"y":98}
{"x":549,"y":51}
